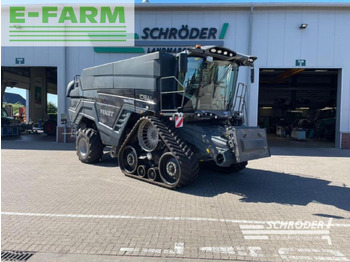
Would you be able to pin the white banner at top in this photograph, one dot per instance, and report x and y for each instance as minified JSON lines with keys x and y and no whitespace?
{"x":68,"y":25}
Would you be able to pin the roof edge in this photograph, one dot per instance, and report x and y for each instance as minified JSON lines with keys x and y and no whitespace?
{"x":238,"y":5}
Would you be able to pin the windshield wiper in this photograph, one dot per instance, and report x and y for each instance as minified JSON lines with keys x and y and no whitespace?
{"x":225,"y":74}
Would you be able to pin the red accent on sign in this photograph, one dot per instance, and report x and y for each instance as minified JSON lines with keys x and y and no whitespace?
{"x":179,"y":121}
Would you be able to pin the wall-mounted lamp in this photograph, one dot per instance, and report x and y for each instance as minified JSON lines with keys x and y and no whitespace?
{"x":303,"y":26}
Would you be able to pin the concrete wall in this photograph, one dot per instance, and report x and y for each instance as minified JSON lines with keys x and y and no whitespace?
{"x":278,"y":42}
{"x":37,"y":94}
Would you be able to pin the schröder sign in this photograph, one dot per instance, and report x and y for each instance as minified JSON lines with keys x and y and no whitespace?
{"x":183,"y":33}
{"x":68,"y":25}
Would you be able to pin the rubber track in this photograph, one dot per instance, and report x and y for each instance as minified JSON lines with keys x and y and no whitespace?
{"x":176,"y":145}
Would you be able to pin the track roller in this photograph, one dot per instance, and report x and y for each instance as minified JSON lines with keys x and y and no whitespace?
{"x":152,"y":173}
{"x":141,"y":171}
{"x":169,"y":169}
{"x":128,"y":159}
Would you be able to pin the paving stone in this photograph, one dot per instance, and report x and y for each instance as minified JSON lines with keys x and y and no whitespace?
{"x":53,"y":203}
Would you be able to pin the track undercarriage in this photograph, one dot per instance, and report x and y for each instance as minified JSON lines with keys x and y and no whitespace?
{"x":154,"y":152}
{"x":115,"y":105}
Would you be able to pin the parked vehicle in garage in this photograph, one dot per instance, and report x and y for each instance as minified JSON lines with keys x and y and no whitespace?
{"x":49,"y":126}
{"x":325,"y":119}
{"x":9,"y":125}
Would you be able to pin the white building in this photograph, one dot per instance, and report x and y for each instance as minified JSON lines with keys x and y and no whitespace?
{"x":302,"y":48}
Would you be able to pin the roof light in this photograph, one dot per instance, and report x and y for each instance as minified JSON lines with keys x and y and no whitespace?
{"x":219,"y":51}
{"x":213,"y":50}
{"x":231,"y":54}
{"x":225,"y":52}
{"x":198,"y":46}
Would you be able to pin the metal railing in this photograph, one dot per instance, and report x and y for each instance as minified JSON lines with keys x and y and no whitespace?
{"x":239,"y":103}
{"x":77,"y":81}
{"x":171,"y":92}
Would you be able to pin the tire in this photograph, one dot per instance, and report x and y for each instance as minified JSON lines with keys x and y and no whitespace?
{"x":89,"y":146}
{"x":49,"y":127}
{"x":234,"y":168}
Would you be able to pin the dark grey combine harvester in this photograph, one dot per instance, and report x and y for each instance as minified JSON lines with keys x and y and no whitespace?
{"x":134,"y":106}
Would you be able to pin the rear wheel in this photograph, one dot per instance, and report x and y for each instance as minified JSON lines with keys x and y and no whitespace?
{"x":89,"y":146}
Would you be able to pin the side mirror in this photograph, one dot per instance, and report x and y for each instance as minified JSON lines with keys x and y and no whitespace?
{"x":182,"y":62}
{"x":252,"y":75}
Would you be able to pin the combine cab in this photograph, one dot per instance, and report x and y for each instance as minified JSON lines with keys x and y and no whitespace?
{"x":162,"y":114}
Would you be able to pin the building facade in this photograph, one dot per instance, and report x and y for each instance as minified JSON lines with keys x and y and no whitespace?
{"x":292,"y":37}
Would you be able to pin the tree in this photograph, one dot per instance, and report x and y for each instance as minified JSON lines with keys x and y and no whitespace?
{"x":51,"y":108}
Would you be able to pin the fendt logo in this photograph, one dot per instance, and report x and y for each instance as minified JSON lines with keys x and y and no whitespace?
{"x":68,"y":25}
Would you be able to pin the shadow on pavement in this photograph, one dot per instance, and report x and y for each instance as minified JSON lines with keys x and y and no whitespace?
{"x":291,"y":147}
{"x":107,"y":160}
{"x":260,"y":186}
{"x":329,"y":216}
{"x":312,"y":152}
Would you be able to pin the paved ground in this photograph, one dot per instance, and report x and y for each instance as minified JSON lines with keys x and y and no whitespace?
{"x":63,"y":210}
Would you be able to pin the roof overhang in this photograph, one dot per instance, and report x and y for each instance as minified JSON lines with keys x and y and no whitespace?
{"x":196,"y":6}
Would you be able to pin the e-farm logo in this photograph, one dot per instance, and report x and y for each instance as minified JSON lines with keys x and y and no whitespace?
{"x":68,"y":25}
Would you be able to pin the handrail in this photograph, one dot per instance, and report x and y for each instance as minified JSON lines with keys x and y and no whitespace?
{"x":171,"y":92}
{"x":77,"y":81}
{"x":239,"y":103}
